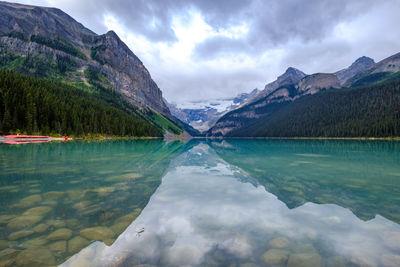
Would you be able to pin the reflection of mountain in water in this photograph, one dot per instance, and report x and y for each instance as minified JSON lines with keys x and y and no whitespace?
{"x":208,"y":213}
{"x":362,"y":176}
{"x":90,"y":190}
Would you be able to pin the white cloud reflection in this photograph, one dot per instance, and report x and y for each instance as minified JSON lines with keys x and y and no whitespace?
{"x":204,"y":205}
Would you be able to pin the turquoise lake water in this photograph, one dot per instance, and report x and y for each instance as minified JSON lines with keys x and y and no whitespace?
{"x":202,"y":203}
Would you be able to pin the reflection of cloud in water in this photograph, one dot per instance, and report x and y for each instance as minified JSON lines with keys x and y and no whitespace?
{"x":202,"y":206}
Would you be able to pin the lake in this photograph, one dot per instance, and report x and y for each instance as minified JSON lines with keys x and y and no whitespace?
{"x":203,"y":203}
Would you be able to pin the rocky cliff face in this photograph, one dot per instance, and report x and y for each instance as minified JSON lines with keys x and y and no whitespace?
{"x":312,"y":84}
{"x":49,"y":32}
{"x":385,"y":66}
{"x":291,"y":76}
{"x":390,"y":64}
{"x":361,"y":64}
{"x":290,"y":87}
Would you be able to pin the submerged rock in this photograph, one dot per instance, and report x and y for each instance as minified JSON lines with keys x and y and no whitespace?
{"x":40,"y":228}
{"x":35,"y":242}
{"x":8,"y":253}
{"x":73,"y":223}
{"x":20,"y":234}
{"x":28,"y":201}
{"x":304,"y":248}
{"x":279,"y":242}
{"x":33,"y":199}
{"x":305,"y":260}
{"x":60,"y":234}
{"x":118,"y":228}
{"x":34,"y":191}
{"x":104,"y":191}
{"x":56,"y":223}
{"x":3,"y":244}
{"x":8,"y":257}
{"x":98,"y":233}
{"x":76,"y":244}
{"x":53,"y":195}
{"x":24,"y":221}
{"x":4,"y":219}
{"x":81,"y":205}
{"x":59,"y":246}
{"x":275,"y":256}
{"x":127,"y":219}
{"x":40,"y":211}
{"x":35,"y":257}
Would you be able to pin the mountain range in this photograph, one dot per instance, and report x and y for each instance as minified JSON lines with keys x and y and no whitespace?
{"x":253,"y":118}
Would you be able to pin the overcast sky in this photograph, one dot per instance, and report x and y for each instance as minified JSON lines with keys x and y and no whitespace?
{"x":209,"y":49}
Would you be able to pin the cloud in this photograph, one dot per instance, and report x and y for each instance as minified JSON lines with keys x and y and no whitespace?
{"x":206,"y":48}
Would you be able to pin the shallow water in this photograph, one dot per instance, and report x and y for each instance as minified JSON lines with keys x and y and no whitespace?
{"x":226,"y":203}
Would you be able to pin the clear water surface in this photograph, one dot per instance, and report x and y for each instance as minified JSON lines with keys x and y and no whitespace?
{"x":203,"y":203}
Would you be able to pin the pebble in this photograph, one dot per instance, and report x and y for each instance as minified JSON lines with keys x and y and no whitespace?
{"x":32,"y":199}
{"x":81,"y":205}
{"x":40,"y":211}
{"x":305,"y":260}
{"x":54,"y":195}
{"x":279,"y":242}
{"x":40,"y":228}
{"x":76,"y":244}
{"x":39,"y":256}
{"x":56,"y":223}
{"x":4,"y":219}
{"x":60,"y":234}
{"x":20,"y":234}
{"x":35,"y":242}
{"x":3,"y":244}
{"x":275,"y":256}
{"x":24,"y":221}
{"x":59,"y":246}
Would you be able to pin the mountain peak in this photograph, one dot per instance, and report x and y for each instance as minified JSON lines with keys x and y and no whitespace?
{"x":291,"y":70}
{"x":112,"y":34}
{"x":291,"y":75}
{"x":363,"y":60}
{"x":361,"y":64}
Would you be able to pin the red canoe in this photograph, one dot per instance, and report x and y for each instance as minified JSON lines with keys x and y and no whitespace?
{"x":25,"y":136}
{"x":24,"y":142}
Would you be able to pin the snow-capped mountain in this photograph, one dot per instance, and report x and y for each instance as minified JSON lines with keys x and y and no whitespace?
{"x":203,"y":114}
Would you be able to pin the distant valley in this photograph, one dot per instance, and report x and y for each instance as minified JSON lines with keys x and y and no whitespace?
{"x":201,"y":115}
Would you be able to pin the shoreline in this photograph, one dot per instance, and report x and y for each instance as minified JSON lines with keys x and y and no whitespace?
{"x":2,"y":139}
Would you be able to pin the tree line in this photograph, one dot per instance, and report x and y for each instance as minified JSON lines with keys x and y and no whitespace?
{"x":40,"y":106}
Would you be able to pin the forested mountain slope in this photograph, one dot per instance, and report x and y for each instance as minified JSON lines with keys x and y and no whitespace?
{"x":37,"y":105}
{"x":48,"y":43}
{"x":370,"y":111}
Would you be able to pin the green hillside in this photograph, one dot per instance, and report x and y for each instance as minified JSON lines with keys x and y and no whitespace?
{"x":370,"y":111}
{"x":36,"y":105}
